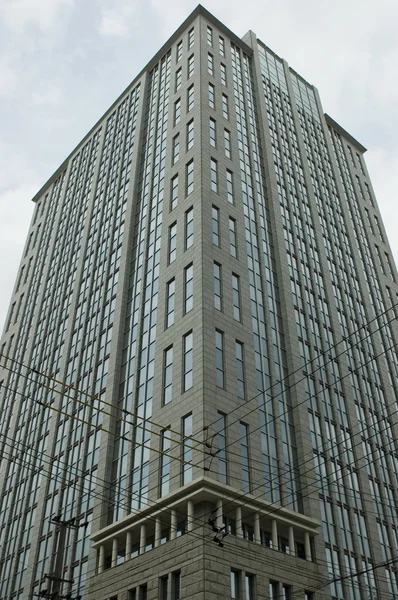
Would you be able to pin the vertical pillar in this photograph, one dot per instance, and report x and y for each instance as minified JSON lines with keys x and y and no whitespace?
{"x":101,"y":559}
{"x":114,"y":552}
{"x":173,"y":525}
{"x":239,"y":530}
{"x":190,"y":515}
{"x":257,"y":533}
{"x":142,"y":538}
{"x":307,"y":546}
{"x":129,"y":544}
{"x":157,"y":532}
{"x":274,"y":533}
{"x":292,"y":546}
{"x":219,"y":517}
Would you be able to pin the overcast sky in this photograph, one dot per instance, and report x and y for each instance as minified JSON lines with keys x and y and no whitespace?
{"x":63,"y":62}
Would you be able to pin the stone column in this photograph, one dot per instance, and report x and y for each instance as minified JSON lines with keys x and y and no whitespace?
{"x":157,"y":532}
{"x":239,"y":530}
{"x":129,"y":544}
{"x":114,"y":552}
{"x":142,"y":538}
{"x":307,"y":546}
{"x":275,"y":541}
{"x":292,"y":546}
{"x":173,"y":525}
{"x":101,"y":559}
{"x":190,"y":515}
{"x":257,"y":533}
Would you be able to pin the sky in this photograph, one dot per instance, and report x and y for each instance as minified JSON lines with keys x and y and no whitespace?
{"x":63,"y":63}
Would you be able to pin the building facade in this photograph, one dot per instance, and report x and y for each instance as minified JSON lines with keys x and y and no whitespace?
{"x":198,"y":370}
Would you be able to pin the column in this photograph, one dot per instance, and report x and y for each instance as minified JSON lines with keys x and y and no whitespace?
{"x":274,"y":533}
{"x":157,"y":532}
{"x":257,"y":533}
{"x":219,"y":515}
{"x":307,"y":546}
{"x":129,"y":544}
{"x":101,"y":559}
{"x":173,"y":525}
{"x":292,"y":546}
{"x":239,"y":530}
{"x":114,"y":552}
{"x":190,"y":515}
{"x":142,"y":538}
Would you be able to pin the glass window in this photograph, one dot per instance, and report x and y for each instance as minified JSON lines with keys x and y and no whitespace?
{"x":176,"y":585}
{"x":227,"y":143}
{"x":142,"y":592}
{"x":240,"y":372}
{"x":212,"y":133}
{"x":178,"y":79}
{"x":190,"y":134}
{"x":235,"y":584}
{"x":213,"y":175}
{"x":172,"y":242}
{"x":222,"y":447}
{"x":190,"y":177}
{"x":230,"y":187}
{"x":217,"y":286}
{"x":179,"y":50}
{"x":221,"y":45}
{"x":191,"y":98}
{"x":188,"y":288}
{"x":225,"y":107}
{"x":219,"y":359}
{"x":236,"y":296}
{"x":244,"y":449}
{"x":168,"y":375}
{"x":176,"y":149}
{"x":212,"y":96}
{"x":163,"y":583}
{"x":188,"y":228}
{"x":216,"y":225}
{"x":249,"y":586}
{"x":210,"y":64}
{"x":191,"y":38}
{"x":187,"y":449}
{"x":174,"y":192}
{"x":223,"y":70}
{"x":232,"y":237}
{"x":170,"y":303}
{"x":209,"y":36}
{"x":188,"y":361}
{"x":165,"y":463}
{"x":177,"y":111}
{"x":191,"y":66}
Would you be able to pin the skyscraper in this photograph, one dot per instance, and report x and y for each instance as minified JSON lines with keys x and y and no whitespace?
{"x":198,"y":369}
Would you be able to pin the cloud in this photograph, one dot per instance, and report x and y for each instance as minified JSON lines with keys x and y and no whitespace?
{"x":20,"y":15}
{"x":118,"y":20}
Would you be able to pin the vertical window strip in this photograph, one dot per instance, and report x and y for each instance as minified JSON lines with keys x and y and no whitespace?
{"x":223,"y":71}
{"x":165,"y":463}
{"x":178,"y":80}
{"x":191,"y":38}
{"x":213,"y":133}
{"x":171,"y":286}
{"x":217,"y":286}
{"x":240,"y":369}
{"x":190,"y":98}
{"x":168,"y":376}
{"x":213,"y":175}
{"x":225,"y":107}
{"x":189,"y":178}
{"x":230,"y":187}
{"x":232,"y":238}
{"x":221,"y":45}
{"x":177,"y":111}
{"x":191,"y":66}
{"x":176,"y":149}
{"x":210,"y":64}
{"x":227,"y":143}
{"x":212,"y":96}
{"x":236,"y":296}
{"x":209,"y":34}
{"x":187,"y":449}
{"x":189,"y":228}
{"x":244,"y":450}
{"x":190,"y":134}
{"x":222,"y":447}
{"x":216,"y":226}
{"x":179,"y":51}
{"x":174,"y":193}
{"x":188,"y":288}
{"x":188,"y":361}
{"x":172,"y":242}
{"x":220,"y":381}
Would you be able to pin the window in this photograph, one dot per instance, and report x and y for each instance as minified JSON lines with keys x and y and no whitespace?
{"x":390,"y":269}
{"x":219,"y":359}
{"x":213,"y":175}
{"x":190,"y":134}
{"x":244,"y":450}
{"x":221,"y":45}
{"x":176,"y":585}
{"x":178,"y":79}
{"x":235,"y":584}
{"x":132,"y":595}
{"x":170,"y":302}
{"x":187,"y":449}
{"x":230,"y":187}
{"x":210,"y":64}
{"x":274,"y":590}
{"x":189,"y":177}
{"x":179,"y":51}
{"x":190,"y":98}
{"x":309,"y":596}
{"x":188,"y":288}
{"x":232,"y":237}
{"x":163,"y":585}
{"x":287,"y":592}
{"x":212,"y":96}
{"x":227,"y":143}
{"x":240,"y":374}
{"x":165,"y":462}
{"x":176,"y":149}
{"x":212,"y":133}
{"x":223,"y":70}
{"x":216,"y":225}
{"x":249,"y":586}
{"x":174,"y":192}
{"x":191,"y":38}
{"x":217,"y":285}
{"x":172,"y":242}
{"x":209,"y":36}
{"x":188,"y":361}
{"x":225,"y":108}
{"x":236,"y":296}
{"x":191,"y":66}
{"x":177,"y":111}
{"x":168,"y":375}
{"x":189,"y":228}
{"x":142,"y":592}
{"x":222,"y":447}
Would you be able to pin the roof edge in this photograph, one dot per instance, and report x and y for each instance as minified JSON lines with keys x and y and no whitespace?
{"x":347,"y":135}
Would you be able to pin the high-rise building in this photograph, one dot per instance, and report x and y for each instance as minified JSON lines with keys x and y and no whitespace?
{"x":198,"y":369}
